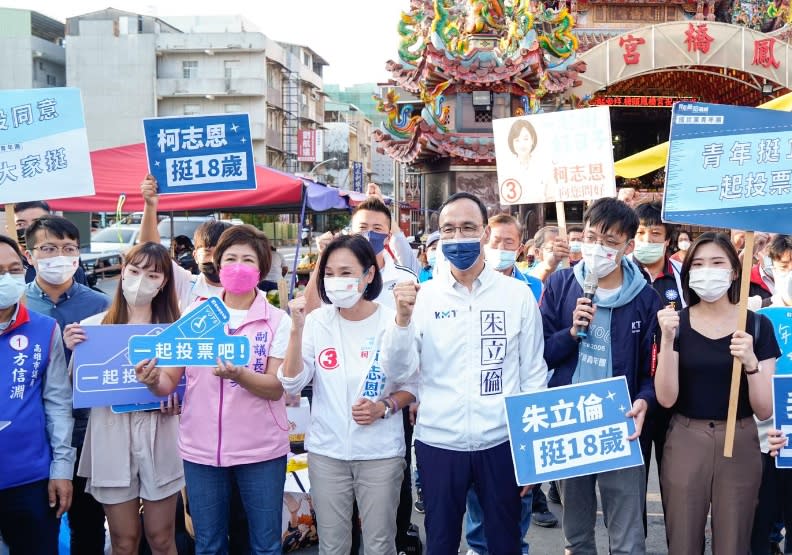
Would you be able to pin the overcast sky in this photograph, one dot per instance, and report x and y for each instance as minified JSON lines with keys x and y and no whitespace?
{"x":356,"y":37}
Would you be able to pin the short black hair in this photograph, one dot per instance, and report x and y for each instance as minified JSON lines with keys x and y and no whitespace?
{"x":779,"y":245}
{"x":469,"y":196}
{"x":13,"y":244}
{"x":612,"y":214}
{"x":724,"y":242}
{"x":373,"y":204}
{"x":362,"y":250}
{"x":56,"y":225}
{"x":208,"y":234}
{"x":574,"y":229}
{"x":183,"y":241}
{"x":22,"y":206}
{"x":651,"y":213}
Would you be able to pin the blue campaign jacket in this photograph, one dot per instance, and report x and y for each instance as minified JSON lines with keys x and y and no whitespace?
{"x":633,"y":329}
{"x":26,"y":451}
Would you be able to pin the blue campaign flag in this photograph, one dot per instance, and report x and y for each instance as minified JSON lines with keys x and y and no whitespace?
{"x":103,"y":373}
{"x":781,"y":318}
{"x":197,"y":154}
{"x":570,"y":431}
{"x":198,"y":338}
{"x":729,"y":166}
{"x":782,"y":416}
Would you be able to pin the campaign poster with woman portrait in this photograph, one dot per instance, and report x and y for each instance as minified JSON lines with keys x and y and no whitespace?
{"x":557,"y":156}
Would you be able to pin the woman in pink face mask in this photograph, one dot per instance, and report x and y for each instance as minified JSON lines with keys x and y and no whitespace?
{"x":133,"y":456}
{"x":234,"y":426}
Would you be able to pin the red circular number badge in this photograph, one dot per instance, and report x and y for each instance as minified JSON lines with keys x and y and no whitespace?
{"x":328,"y":359}
{"x":511,"y":190}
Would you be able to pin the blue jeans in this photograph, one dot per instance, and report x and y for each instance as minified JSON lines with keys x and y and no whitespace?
{"x":27,"y":523}
{"x":261,"y":489}
{"x":474,"y":523}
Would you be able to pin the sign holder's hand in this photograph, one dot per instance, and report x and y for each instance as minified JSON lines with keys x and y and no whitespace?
{"x":228,"y":371}
{"x":148,"y":189}
{"x":73,"y":335}
{"x":147,"y":372}
{"x":638,"y":412}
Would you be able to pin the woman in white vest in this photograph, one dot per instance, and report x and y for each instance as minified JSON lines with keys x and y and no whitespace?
{"x":356,"y":450}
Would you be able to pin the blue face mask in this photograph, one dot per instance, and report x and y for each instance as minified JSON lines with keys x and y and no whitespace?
{"x":377,"y":240}
{"x":461,"y":253}
{"x":431,"y":258}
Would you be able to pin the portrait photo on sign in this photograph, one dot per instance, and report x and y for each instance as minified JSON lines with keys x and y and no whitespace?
{"x":557,"y":156}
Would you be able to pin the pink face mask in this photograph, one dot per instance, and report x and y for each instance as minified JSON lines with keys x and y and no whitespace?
{"x":239,"y":278}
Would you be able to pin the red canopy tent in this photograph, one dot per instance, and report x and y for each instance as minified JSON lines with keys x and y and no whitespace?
{"x":120,"y":170}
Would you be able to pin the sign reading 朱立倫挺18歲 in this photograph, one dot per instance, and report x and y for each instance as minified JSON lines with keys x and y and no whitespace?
{"x":558,"y":156}
{"x":729,"y":167}
{"x":782,"y":416}
{"x":196,"y":154}
{"x":43,"y":146}
{"x":103,"y":373}
{"x":570,"y":431}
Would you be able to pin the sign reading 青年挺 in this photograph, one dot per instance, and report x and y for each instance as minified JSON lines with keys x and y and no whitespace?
{"x":198,"y":338}
{"x":570,"y":431}
{"x":729,"y":167}
{"x":103,"y":374}
{"x":43,"y":146}
{"x":557,"y":156}
{"x":197,"y":154}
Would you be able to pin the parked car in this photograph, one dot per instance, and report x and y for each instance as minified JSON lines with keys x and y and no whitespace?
{"x":117,"y":238}
{"x":184,"y":225}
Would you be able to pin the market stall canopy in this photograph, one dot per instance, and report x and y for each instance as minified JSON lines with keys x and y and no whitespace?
{"x":654,"y":158}
{"x":119,"y":171}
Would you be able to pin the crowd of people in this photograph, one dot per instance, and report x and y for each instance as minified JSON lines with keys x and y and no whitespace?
{"x":396,"y":353}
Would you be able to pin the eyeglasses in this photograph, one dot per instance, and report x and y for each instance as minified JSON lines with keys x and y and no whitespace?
{"x":52,"y":250}
{"x":602,"y":240}
{"x":467,"y":230}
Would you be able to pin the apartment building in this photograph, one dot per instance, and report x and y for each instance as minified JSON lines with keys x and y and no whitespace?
{"x":33,"y":52}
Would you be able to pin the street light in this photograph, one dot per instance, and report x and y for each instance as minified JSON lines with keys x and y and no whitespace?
{"x":312,"y":174}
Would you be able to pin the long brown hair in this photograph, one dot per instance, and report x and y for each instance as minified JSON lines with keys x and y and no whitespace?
{"x":164,"y":306}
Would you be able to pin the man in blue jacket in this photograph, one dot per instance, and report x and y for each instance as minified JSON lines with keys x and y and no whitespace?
{"x":624,"y":310}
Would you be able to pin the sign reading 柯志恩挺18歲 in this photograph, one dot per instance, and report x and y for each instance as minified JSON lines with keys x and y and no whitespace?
{"x":558,"y":156}
{"x":729,"y":167}
{"x":570,"y":431}
{"x":103,"y":373}
{"x":196,"y":154}
{"x":43,"y":146}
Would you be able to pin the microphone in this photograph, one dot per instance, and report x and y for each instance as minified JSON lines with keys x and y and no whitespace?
{"x":589,"y":289}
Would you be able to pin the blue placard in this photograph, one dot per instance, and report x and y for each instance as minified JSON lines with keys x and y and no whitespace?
{"x":198,"y":338}
{"x":729,"y":166}
{"x":357,"y":176}
{"x":782,"y":416}
{"x":781,"y":317}
{"x":570,"y":431}
{"x":103,"y":373}
{"x":43,"y":145}
{"x":197,"y":154}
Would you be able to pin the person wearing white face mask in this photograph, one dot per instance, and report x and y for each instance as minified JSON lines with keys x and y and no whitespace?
{"x":621,"y":323}
{"x":694,"y":368}
{"x":53,"y":251}
{"x":356,"y":447}
{"x":133,"y":456}
{"x":503,"y":249}
{"x":35,"y":418}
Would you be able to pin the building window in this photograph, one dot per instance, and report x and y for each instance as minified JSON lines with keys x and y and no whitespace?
{"x":307,"y":59}
{"x":51,"y":80}
{"x":190,"y":69}
{"x":191,"y":109}
{"x":233,"y":108}
{"x":231,"y":69}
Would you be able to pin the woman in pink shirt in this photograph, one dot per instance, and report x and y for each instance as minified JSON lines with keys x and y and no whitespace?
{"x":233,"y":425}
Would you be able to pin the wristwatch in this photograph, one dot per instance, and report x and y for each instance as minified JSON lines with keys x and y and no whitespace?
{"x":387,"y":409}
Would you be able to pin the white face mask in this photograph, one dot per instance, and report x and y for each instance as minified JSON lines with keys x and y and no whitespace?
{"x":343,"y":291}
{"x":783,"y":286}
{"x":710,"y":284}
{"x":58,"y":269}
{"x":139,"y":290}
{"x":575,"y":246}
{"x":599,"y":259}
{"x":648,"y":253}
{"x":11,"y":289}
{"x":500,"y":259}
{"x":683,"y":245}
